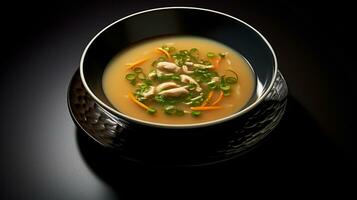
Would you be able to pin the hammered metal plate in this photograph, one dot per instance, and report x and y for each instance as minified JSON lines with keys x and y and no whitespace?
{"x":111,"y":132}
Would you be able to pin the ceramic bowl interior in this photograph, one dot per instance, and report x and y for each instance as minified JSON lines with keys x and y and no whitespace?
{"x":178,"y":21}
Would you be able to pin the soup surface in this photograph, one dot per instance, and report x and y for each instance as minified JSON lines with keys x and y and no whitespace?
{"x":178,"y":80}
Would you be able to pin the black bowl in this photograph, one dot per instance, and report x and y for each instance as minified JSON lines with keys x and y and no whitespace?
{"x":196,"y":141}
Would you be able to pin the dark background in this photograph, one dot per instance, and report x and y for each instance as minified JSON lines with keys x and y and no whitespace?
{"x":44,"y":156}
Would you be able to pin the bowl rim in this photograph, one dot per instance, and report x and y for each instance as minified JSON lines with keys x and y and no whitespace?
{"x":178,"y":126}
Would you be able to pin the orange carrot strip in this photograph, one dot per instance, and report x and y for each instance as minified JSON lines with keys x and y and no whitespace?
{"x":206,"y":108}
{"x":216,"y":61}
{"x":218,"y":99}
{"x":208,"y":98}
{"x":136,"y":63}
{"x":138,"y":102}
{"x":164,"y":52}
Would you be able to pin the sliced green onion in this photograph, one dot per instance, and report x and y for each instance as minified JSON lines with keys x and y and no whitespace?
{"x":184,"y":52}
{"x":196,"y":113}
{"x":160,"y":99}
{"x":231,"y":80}
{"x":141,"y":76}
{"x":235,"y":73}
{"x":151,"y":111}
{"x":200,"y":71}
{"x":205,"y":78}
{"x":194,"y":52}
{"x":141,"y":98}
{"x":173,"y":101}
{"x":176,"y":56}
{"x":211,"y":55}
{"x":225,"y":87}
{"x":206,"y":75}
{"x":179,"y":62}
{"x":179,"y":112}
{"x":169,"y":105}
{"x":191,"y":86}
{"x":143,"y":87}
{"x":133,"y":82}
{"x":196,"y":103}
{"x":130,"y":77}
{"x":154,"y":63}
{"x":212,"y":85}
{"x":138,"y":70}
{"x":148,"y":82}
{"x":165,"y":47}
{"x":170,"y":110}
{"x":171,"y":49}
{"x":206,"y":62}
{"x":175,"y":77}
{"x":211,"y":74}
{"x":161,"y":59}
{"x":222,"y":55}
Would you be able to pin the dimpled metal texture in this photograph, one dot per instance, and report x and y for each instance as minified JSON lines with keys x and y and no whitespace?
{"x":262,"y":120}
{"x":244,"y":133}
{"x":90,"y":117}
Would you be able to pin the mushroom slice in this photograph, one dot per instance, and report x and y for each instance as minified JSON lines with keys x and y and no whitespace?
{"x":188,"y":79}
{"x":166,"y":85}
{"x":168,"y":66}
{"x":175,"y":92}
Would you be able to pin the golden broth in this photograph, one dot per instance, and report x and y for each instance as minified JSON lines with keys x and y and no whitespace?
{"x":117,"y":88}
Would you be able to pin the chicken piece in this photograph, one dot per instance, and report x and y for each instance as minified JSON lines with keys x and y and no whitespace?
{"x":160,"y":73}
{"x":175,"y":92}
{"x":188,"y":79}
{"x":189,"y":63}
{"x":166,"y":85}
{"x":152,"y":75}
{"x":168,"y":66}
{"x":185,"y":70}
{"x":149,"y":93}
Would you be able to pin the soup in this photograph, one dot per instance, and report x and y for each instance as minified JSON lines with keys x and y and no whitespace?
{"x":178,"y":80}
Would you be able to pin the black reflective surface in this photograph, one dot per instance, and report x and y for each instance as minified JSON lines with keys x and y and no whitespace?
{"x":44,"y":156}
